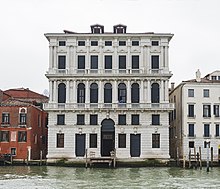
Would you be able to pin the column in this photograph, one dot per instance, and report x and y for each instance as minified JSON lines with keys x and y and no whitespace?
{"x":74,"y":91}
{"x":101,"y":100}
{"x":129,"y":92}
{"x":55,"y":57}
{"x":115,"y":92}
{"x":51,"y":58}
{"x":161,"y":91}
{"x":55,"y":91}
{"x":67,"y":91}
{"x":166,"y":91}
{"x":142,"y":66}
{"x":142,"y":92}
{"x":50,"y":91}
{"x":74,"y":61}
{"x":87,"y":100}
{"x":148,"y":91}
{"x":148,"y":59}
{"x":166,"y":58}
{"x":162,"y":58}
{"x":67,"y":58}
{"x":71,"y":92}
{"x":128,"y":66}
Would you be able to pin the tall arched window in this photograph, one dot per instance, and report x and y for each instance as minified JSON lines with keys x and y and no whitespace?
{"x":108,"y":93}
{"x":81,"y":93}
{"x":122,"y":93}
{"x":61,"y":93}
{"x":155,"y":93}
{"x":93,"y":93}
{"x":135,"y":93}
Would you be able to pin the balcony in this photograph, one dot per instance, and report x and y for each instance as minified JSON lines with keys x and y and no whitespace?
{"x":108,"y":106}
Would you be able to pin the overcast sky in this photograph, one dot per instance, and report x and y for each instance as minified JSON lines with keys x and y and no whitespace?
{"x":24,"y":49}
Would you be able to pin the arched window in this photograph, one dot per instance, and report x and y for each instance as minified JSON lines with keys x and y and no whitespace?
{"x":61,"y":93}
{"x":108,"y":93}
{"x":81,"y":93}
{"x":122,"y":93}
{"x":93,"y":93}
{"x":155,"y":93}
{"x":135,"y":93}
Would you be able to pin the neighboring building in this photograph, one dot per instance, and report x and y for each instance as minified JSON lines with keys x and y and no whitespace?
{"x":108,"y":90}
{"x":196,"y":118}
{"x":23,"y":129}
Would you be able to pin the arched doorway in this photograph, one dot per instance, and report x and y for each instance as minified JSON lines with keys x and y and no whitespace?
{"x":107,"y":137}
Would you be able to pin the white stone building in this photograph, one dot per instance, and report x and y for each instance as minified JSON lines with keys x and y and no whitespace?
{"x":108,"y":90}
{"x":196,"y":118}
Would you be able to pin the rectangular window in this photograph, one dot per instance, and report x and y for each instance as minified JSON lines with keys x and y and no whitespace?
{"x":121,"y":140}
{"x":155,"y":140}
{"x":108,"y":61}
{"x":135,"y":43}
{"x":80,"y":119}
{"x":61,"y":119}
{"x":206,"y":110}
{"x":60,"y":140}
{"x":94,"y":43}
{"x":23,"y":118}
{"x":135,"y":62}
{"x":93,"y":119}
{"x":206,"y":130}
{"x":206,"y":144}
{"x":155,"y":119}
{"x":134,"y":119}
{"x":217,"y":130}
{"x":93,"y":140}
{"x":122,"y":43}
{"x":22,"y":136}
{"x":62,"y":62}
{"x":190,"y":92}
{"x":108,"y":43}
{"x":62,"y":43}
{"x":13,"y":151}
{"x":214,"y":77}
{"x":121,"y":119}
{"x":5,"y":118}
{"x":191,"y":130}
{"x":94,"y":62}
{"x":205,"y":92}
{"x":4,"y":137}
{"x":191,"y":110}
{"x":81,"y":43}
{"x":122,"y":62}
{"x":216,"y":110}
{"x":155,"y":43}
{"x":81,"y":62}
{"x":155,"y":62}
{"x":191,"y":144}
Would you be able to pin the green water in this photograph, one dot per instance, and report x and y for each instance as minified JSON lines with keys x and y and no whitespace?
{"x":50,"y":177}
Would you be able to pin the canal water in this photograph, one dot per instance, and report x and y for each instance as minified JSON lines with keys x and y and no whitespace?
{"x":51,"y":177}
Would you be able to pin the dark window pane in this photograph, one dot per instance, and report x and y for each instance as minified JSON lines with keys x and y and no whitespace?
{"x":155,"y":43}
{"x":122,"y":94}
{"x":108,"y":93}
{"x":5,"y":118}
{"x":108,"y":43}
{"x":23,"y":118}
{"x":206,"y":130}
{"x":190,"y":92}
{"x":81,"y":62}
{"x":191,"y":130}
{"x":135,"y":43}
{"x":122,"y":62}
{"x":60,"y":140}
{"x":93,"y":141}
{"x":4,"y":137}
{"x":94,"y":93}
{"x":93,"y":119}
{"x":22,"y":136}
{"x":122,"y":43}
{"x":81,"y":43}
{"x":62,"y":43}
{"x":122,"y":119}
{"x":155,"y":62}
{"x":206,"y":93}
{"x":61,"y":93}
{"x":155,"y":140}
{"x":155,"y":119}
{"x":191,"y":144}
{"x":81,"y":93}
{"x":135,"y":61}
{"x":122,"y":140}
{"x":61,"y":119}
{"x":80,"y":119}
{"x":61,"y":62}
{"x":155,"y":93}
{"x":94,"y":62}
{"x":108,"y":62}
{"x":216,"y":110}
{"x":217,"y":130}
{"x":191,"y":110}
{"x":206,"y":110}
{"x":135,"y":93}
{"x":94,"y":43}
{"x":134,"y":119}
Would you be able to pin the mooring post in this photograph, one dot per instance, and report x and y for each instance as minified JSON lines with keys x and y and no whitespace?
{"x":189,"y":158}
{"x":41,"y":156}
{"x":86,"y":158}
{"x":184,"y":161}
{"x":207,"y":163}
{"x":200,"y":158}
{"x":27,"y":157}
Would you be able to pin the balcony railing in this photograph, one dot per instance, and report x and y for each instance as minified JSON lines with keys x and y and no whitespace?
{"x":82,"y":106}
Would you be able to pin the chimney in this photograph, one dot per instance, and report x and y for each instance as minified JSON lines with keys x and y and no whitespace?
{"x":172,"y":86}
{"x":198,"y":76}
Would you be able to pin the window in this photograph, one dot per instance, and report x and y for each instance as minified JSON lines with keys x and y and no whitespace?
{"x":218,"y":77}
{"x":206,"y":144}
{"x":81,"y":62}
{"x":214,"y":77}
{"x":190,"y":92}
{"x":191,"y":130}
{"x":122,"y":93}
{"x":13,"y":151}
{"x":135,"y":93}
{"x":217,"y":130}
{"x":4,"y":136}
{"x":93,"y":140}
{"x":81,"y":93}
{"x":122,"y":62}
{"x":62,"y":43}
{"x":122,"y":43}
{"x":191,"y":110}
{"x":206,"y":130}
{"x":62,"y":62}
{"x":155,"y":62}
{"x":5,"y":118}
{"x":94,"y":119}
{"x":108,"y":61}
{"x":94,"y":43}
{"x":135,"y":43}
{"x":23,"y":118}
{"x":22,"y":136}
{"x":108,"y":43}
{"x":121,"y":119}
{"x":81,"y":43}
{"x":155,"y":119}
{"x":205,"y":92}
{"x":122,"y":140}
{"x":155,"y":140}
{"x":206,"y":110}
{"x":135,"y":119}
{"x":61,"y":93}
{"x":191,"y":144}
{"x":108,"y":93}
{"x":60,"y":140}
{"x":61,"y":119}
{"x":94,"y":62}
{"x":155,"y":93}
{"x":94,"y":93}
{"x":155,"y":43}
{"x":135,"y":62}
{"x":216,"y":110}
{"x":80,"y":119}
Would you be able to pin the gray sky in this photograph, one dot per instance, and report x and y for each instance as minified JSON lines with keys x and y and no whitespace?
{"x":24,"y":50}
